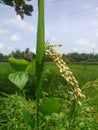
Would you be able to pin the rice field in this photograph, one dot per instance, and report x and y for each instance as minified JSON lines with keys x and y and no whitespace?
{"x":82,"y":72}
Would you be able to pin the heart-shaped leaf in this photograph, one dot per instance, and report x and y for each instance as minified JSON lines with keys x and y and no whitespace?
{"x":19,"y":79}
{"x":18,"y":65}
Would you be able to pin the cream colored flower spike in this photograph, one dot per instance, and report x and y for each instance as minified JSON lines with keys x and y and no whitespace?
{"x":64,"y":70}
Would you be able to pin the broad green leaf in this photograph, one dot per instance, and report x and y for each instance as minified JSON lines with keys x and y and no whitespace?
{"x":18,"y":65}
{"x":27,"y":117}
{"x":50,"y":106}
{"x":19,"y":79}
{"x":31,"y":66}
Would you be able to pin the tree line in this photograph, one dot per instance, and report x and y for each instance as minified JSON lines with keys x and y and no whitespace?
{"x":70,"y":57}
{"x":26,"y":54}
{"x":81,"y":57}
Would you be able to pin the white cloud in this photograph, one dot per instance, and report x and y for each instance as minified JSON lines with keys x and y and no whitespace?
{"x":93,"y":45}
{"x":7,"y":50}
{"x":96,"y":9}
{"x":53,"y":39}
{"x":15,"y":38}
{"x":96,"y":32}
{"x":10,"y":48}
{"x":82,"y":42}
{"x":47,"y":33}
{"x":33,"y":50}
{"x":75,"y":49}
{"x":95,"y":23}
{"x":3,"y":31}
{"x":17,"y":22}
{"x":1,"y":46}
{"x":85,"y":45}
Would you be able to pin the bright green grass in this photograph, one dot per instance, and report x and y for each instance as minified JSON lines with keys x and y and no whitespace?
{"x":5,"y":68}
{"x":5,"y":84}
{"x":82,"y":72}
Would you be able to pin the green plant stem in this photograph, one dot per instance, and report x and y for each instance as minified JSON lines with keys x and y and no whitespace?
{"x":39,"y":54}
{"x":40,"y":40}
{"x":73,"y":114}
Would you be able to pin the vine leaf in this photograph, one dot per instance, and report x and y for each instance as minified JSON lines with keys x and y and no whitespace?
{"x":18,"y":65}
{"x":31,"y":66}
{"x":19,"y":79}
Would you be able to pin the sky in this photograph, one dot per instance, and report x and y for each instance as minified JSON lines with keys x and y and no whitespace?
{"x":71,"y":23}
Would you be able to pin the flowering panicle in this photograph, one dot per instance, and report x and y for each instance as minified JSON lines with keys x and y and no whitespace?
{"x":64,"y":70}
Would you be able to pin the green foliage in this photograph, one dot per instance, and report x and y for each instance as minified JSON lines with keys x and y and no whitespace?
{"x":12,"y":114}
{"x":31,"y":66}
{"x":19,"y":79}
{"x":5,"y":85}
{"x":81,"y":57}
{"x":18,"y":65}
{"x":91,"y":89}
{"x":49,"y":106}
{"x":27,"y":117}
{"x":21,"y":7}
{"x":17,"y":113}
{"x":18,"y":54}
{"x":50,"y":114}
{"x":20,"y":116}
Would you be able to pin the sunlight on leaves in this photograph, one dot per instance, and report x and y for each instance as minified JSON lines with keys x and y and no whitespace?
{"x":19,"y":79}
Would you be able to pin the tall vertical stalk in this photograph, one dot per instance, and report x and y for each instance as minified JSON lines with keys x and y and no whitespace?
{"x":40,"y":41}
{"x":39,"y":54}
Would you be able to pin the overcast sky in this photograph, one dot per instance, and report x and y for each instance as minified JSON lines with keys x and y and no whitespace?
{"x":72,"y":23}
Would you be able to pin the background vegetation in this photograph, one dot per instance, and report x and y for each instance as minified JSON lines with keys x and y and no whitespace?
{"x":70,"y":57}
{"x":12,"y":107}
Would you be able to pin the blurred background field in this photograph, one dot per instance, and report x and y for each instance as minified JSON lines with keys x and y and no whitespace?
{"x":82,"y":72}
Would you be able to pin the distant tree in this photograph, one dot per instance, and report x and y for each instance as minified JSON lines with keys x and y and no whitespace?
{"x":16,"y":54}
{"x":74,"y":57}
{"x":83,"y":57}
{"x":96,"y":58}
{"x":65,"y":57}
{"x":80,"y":57}
{"x":90,"y":57}
{"x":27,"y":50}
{"x":1,"y":57}
{"x":5,"y":58}
{"x":21,"y":7}
{"x":27,"y":55}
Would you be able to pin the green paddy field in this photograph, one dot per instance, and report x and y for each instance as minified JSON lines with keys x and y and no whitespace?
{"x":82,"y":72}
